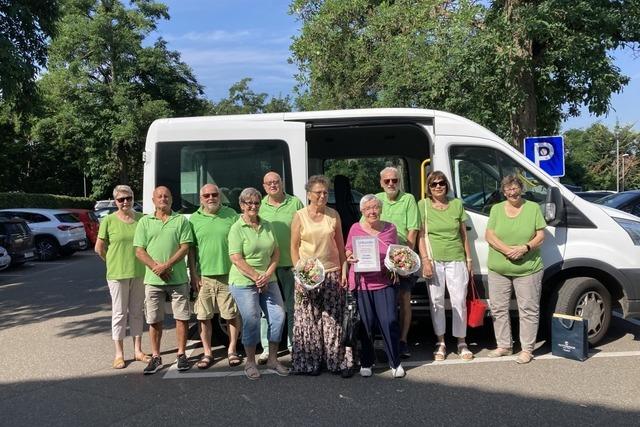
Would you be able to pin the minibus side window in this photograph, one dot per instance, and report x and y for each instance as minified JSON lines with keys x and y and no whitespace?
{"x":231,"y":165}
{"x":478,"y":172}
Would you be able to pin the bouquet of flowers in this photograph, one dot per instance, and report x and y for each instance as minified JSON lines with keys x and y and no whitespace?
{"x":401,"y":260}
{"x":309,"y":273}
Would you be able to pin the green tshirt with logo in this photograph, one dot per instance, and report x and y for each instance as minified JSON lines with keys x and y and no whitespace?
{"x":255,"y":246}
{"x":161,"y":240}
{"x":516,"y":231}
{"x":280,"y":218}
{"x":121,"y":254}
{"x":443,"y":227}
{"x":210,"y":232}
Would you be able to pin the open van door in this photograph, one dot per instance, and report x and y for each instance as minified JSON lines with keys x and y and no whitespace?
{"x":184,"y":154}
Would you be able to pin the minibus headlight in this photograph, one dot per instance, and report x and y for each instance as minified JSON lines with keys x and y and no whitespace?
{"x":631,"y":227}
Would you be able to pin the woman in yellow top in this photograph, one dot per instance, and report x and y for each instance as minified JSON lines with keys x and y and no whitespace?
{"x":316,"y":232}
{"x":125,"y":274}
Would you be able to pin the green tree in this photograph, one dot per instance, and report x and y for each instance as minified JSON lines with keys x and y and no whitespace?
{"x":592,"y":159}
{"x":105,"y":84}
{"x":25,"y":28}
{"x":517,"y":66}
{"x":243,"y":100}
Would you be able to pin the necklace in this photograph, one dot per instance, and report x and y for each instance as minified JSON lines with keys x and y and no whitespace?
{"x":439,"y":205}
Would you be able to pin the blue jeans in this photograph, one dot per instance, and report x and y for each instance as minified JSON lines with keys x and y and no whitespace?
{"x":252,"y":304}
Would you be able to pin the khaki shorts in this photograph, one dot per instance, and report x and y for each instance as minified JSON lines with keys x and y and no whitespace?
{"x":155,"y":297}
{"x":214,"y":297}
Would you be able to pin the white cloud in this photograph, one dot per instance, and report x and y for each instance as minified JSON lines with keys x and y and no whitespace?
{"x":210,"y":36}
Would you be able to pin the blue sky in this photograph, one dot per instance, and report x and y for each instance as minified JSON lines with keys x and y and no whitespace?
{"x":226,"y":40}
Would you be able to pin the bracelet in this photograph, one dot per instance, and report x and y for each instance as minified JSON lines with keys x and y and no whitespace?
{"x":469,"y":259}
{"x":528,"y":247}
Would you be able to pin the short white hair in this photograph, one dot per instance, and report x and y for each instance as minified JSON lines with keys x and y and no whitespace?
{"x":389,"y":169}
{"x":367,"y":198}
{"x":122,"y":189}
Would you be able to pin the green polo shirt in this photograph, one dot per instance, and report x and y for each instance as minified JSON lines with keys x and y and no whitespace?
{"x":444,"y":229}
{"x":516,"y":231}
{"x":402,"y":212}
{"x":280,"y":218}
{"x":121,"y":254}
{"x":255,"y":246}
{"x":210,"y":233}
{"x":161,"y":240}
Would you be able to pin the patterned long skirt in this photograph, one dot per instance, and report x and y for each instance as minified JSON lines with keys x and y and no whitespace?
{"x":317,"y":329}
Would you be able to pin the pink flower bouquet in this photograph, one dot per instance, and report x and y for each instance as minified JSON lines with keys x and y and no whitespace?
{"x":401,"y":260}
{"x":309,"y":273}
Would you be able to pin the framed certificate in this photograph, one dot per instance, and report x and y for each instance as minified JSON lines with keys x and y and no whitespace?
{"x":365,"y":250}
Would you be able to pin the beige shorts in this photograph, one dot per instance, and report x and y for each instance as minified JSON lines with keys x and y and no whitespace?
{"x":155,"y":297}
{"x":214,"y":297}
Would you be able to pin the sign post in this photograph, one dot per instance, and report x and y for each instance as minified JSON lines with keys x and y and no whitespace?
{"x":546,"y":152}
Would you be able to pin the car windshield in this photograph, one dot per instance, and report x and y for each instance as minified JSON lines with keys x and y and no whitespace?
{"x":615,"y":200}
{"x":68,"y":218}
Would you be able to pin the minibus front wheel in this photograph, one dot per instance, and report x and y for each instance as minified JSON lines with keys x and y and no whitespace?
{"x":586,"y":297}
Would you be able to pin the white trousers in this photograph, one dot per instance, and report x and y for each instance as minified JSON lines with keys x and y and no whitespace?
{"x":127,"y":303}
{"x":455,"y":276}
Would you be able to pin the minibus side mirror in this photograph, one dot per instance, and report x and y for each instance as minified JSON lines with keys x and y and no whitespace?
{"x":553,"y":207}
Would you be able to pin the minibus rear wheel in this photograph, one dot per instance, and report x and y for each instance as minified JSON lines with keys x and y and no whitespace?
{"x":586,"y":297}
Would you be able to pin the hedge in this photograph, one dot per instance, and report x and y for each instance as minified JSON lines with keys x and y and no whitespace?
{"x":50,"y":201}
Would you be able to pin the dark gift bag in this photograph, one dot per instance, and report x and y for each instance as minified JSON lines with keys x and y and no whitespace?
{"x":569,"y":337}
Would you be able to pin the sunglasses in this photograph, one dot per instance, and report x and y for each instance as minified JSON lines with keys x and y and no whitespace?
{"x":124,"y":199}
{"x":435,"y":184}
{"x":208,"y":195}
{"x":270,"y":183}
{"x":252,"y":203}
{"x":390,"y":180}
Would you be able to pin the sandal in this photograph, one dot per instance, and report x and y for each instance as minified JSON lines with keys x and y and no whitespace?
{"x":464,"y":352}
{"x":440,"y":353}
{"x":205,"y":362}
{"x":141,"y":357}
{"x":118,"y":363}
{"x":251,"y":372}
{"x":234,"y":359}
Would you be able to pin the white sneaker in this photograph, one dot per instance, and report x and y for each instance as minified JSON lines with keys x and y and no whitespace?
{"x":365,"y":372}
{"x":262,"y":359}
{"x":398,"y":372}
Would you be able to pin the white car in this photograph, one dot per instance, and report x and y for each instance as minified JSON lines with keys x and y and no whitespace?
{"x":56,"y":232}
{"x":5,"y":259}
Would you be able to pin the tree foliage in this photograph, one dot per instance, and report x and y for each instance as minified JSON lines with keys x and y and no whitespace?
{"x":517,"y":66}
{"x":25,"y":29}
{"x":591,"y":157}
{"x":243,"y":100}
{"x":105,"y":84}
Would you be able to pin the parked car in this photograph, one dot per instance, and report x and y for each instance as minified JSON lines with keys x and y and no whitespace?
{"x":5,"y":258}
{"x":592,"y":196}
{"x":103,"y":212}
{"x":56,"y":232}
{"x":101,"y":204}
{"x":90,"y":222}
{"x":17,"y":239}
{"x":627,"y":201}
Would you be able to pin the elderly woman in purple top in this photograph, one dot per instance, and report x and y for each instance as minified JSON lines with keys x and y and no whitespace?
{"x":376,"y":293}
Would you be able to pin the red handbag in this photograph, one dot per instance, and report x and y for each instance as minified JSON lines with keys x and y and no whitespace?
{"x":476,"y":308}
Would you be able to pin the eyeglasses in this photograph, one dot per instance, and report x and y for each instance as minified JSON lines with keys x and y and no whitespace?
{"x":390,"y":180}
{"x":512,"y":190}
{"x":320,"y":193}
{"x":435,"y":184}
{"x":252,"y":203}
{"x":124,"y":199}
{"x":208,"y":195}
{"x":270,"y":183}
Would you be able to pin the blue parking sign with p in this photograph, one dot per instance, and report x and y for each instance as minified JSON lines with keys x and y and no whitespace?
{"x":547,"y":152}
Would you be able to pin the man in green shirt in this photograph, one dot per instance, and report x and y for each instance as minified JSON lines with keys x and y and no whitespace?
{"x":400,"y":209}
{"x":278,"y":208}
{"x":162,"y":241}
{"x":209,"y":266}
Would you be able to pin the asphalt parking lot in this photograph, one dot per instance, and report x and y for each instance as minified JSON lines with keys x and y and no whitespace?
{"x":55,"y":368}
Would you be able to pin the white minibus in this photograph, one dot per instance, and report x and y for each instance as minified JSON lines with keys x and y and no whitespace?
{"x":591,"y":254}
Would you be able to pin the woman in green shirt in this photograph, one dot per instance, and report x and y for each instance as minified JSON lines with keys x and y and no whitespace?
{"x":515,"y":233}
{"x":125,"y":274}
{"x":254,"y":254}
{"x":446,"y":261}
